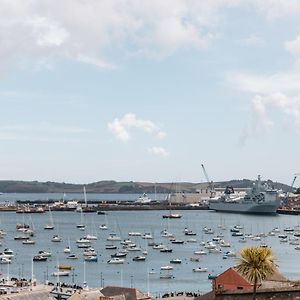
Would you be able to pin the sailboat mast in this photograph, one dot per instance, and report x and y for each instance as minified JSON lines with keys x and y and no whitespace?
{"x":85,"y":199}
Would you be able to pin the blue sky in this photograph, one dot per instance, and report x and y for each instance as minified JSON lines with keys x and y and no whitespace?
{"x":149,"y":90}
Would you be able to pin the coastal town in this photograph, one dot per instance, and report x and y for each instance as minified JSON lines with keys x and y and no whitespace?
{"x":149,"y":150}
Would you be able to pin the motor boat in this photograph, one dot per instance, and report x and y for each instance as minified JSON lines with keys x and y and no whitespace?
{"x":200,"y":269}
{"x":115,"y":260}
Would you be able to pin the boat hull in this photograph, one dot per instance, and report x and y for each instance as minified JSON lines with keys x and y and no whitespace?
{"x":242,"y":207}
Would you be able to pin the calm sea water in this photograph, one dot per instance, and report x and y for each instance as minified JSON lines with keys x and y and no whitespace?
{"x":137,"y":273}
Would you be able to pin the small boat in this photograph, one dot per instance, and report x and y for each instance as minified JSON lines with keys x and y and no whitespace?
{"x":113,"y":237}
{"x":44,"y":253}
{"x":200,"y":269}
{"x":134,"y":234}
{"x":48,"y":227}
{"x":51,"y":225}
{"x":208,"y":230}
{"x":166,"y":250}
{"x":67,"y":250}
{"x":8,"y":251}
{"x":115,"y":260}
{"x":139,"y":258}
{"x":72,"y":256}
{"x":56,"y":238}
{"x":126,"y":242}
{"x":83,"y":241}
{"x":166,"y":268}
{"x":89,"y":252}
{"x":83,"y":246}
{"x":111,"y":247}
{"x":172,"y":216}
{"x":175,"y":261}
{"x":191,"y":241}
{"x":158,"y":246}
{"x":90,"y":237}
{"x":200,"y":252}
{"x":5,"y":260}
{"x":91,"y":258}
{"x":215,"y":250}
{"x":224,"y":244}
{"x":237,"y":234}
{"x":134,"y":248}
{"x":80,"y":226}
{"x":103,"y":227}
{"x":119,"y":254}
{"x":212,"y":276}
{"x":6,"y":255}
{"x":180,"y":242}
{"x":22,"y":225}
{"x":28,"y":242}
{"x":61,"y":273}
{"x":27,"y":231}
{"x":39,"y":258}
{"x":282,"y":236}
{"x":64,"y":267}
{"x":147,"y":236}
{"x":190,"y":232}
{"x":210,"y":245}
{"x":101,"y":212}
{"x":230,"y":254}
{"x":21,"y":237}
{"x":166,"y":234}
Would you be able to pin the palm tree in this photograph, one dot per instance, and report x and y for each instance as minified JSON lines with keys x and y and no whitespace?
{"x":256,"y":264}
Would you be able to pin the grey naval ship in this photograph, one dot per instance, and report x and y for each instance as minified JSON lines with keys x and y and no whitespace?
{"x":262,"y":199}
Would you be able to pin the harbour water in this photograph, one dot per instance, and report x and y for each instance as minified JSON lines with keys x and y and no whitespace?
{"x":143,"y":275}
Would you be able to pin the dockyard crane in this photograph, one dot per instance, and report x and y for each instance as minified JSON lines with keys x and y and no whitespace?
{"x":291,"y":189}
{"x":210,"y":182}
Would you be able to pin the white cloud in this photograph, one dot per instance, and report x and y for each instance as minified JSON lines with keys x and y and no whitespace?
{"x":274,"y":9}
{"x":294,"y":48}
{"x":121,"y":127}
{"x":275,"y":100}
{"x":253,"y":40}
{"x":265,"y":84}
{"x":37,"y":31}
{"x":263,"y":108}
{"x":159,"y":151}
{"x":161,"y":135}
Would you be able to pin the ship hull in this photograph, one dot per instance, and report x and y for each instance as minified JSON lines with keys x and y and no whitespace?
{"x":248,"y":208}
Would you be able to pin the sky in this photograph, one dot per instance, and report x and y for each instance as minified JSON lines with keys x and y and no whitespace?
{"x":149,"y":90}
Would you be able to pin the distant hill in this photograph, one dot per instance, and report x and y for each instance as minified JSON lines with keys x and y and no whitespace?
{"x":110,"y":186}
